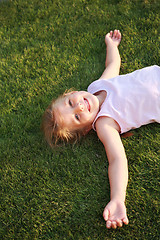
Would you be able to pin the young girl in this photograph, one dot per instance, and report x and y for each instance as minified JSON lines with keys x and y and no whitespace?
{"x":113,"y":105}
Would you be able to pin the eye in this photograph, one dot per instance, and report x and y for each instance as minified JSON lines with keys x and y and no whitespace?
{"x":77,"y":117}
{"x":70,"y":103}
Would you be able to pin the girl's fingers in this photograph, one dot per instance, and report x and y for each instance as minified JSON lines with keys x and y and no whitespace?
{"x":111,"y":33}
{"x":114,"y":224}
{"x":115,"y":33}
{"x":105,"y":214}
{"x":108,"y":224}
{"x":125,"y":221}
{"x":119,"y":223}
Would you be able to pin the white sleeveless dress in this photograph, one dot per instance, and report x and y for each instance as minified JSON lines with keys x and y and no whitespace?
{"x":132,"y":100}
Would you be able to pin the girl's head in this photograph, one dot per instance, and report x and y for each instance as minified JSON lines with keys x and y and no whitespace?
{"x":70,"y":116}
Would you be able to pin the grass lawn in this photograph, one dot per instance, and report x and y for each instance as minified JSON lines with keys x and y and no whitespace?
{"x":46,"y":47}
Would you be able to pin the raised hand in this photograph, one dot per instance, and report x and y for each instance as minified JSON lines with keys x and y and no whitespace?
{"x":113,"y":37}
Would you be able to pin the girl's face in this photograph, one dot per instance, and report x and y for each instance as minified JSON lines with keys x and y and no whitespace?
{"x":77,"y":110}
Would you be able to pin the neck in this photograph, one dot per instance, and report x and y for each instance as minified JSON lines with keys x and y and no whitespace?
{"x":101,"y":95}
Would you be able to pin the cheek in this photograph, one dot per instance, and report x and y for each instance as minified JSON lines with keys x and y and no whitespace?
{"x":88,"y":118}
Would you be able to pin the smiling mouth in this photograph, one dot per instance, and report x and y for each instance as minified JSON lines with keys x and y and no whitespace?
{"x":87,"y":103}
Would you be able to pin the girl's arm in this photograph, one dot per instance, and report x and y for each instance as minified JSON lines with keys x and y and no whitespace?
{"x":115,"y":211}
{"x":113,"y":60}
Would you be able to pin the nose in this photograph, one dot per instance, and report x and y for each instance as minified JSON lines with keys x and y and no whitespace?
{"x":80,"y":107}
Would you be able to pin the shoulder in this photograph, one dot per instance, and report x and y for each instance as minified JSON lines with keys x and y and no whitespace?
{"x":108,"y":133}
{"x":105,"y":125}
{"x":104,"y":121}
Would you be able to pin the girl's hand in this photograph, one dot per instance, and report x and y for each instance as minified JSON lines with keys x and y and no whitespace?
{"x":113,"y":37}
{"x":115,"y":214}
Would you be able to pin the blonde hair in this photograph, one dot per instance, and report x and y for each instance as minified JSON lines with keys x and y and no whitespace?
{"x":52,"y":130}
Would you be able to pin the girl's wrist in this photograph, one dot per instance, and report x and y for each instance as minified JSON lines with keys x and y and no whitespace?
{"x":118,"y":197}
{"x":118,"y":200}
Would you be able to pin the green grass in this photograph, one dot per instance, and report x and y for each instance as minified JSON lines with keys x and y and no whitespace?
{"x":45,"y":48}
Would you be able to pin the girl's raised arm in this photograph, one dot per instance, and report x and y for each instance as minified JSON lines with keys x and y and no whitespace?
{"x":113,"y":60}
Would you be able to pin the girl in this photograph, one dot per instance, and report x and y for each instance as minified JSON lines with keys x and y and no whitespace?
{"x":113,"y":105}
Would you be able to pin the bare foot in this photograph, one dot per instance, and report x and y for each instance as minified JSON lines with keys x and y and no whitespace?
{"x":113,"y":37}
